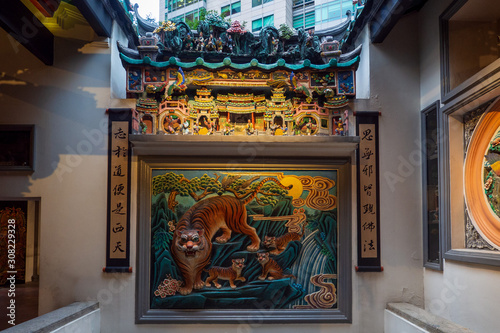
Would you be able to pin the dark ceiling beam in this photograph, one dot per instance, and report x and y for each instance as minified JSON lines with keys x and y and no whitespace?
{"x":97,"y":15}
{"x":385,"y":18}
{"x":20,"y":23}
{"x":387,"y":13}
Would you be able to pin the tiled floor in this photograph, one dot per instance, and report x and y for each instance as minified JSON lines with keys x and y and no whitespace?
{"x":26,"y":303}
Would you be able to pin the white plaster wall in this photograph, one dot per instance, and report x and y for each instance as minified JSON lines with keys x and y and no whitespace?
{"x":429,"y":52}
{"x":394,"y":91}
{"x":67,"y":103}
{"x":363,"y":72}
{"x":118,"y":74}
{"x":466,"y":294}
{"x":463,"y":293}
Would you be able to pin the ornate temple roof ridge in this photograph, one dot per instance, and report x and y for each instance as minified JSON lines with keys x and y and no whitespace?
{"x":348,"y":61}
{"x":215,"y":41}
{"x":352,"y":54}
{"x":143,"y":25}
{"x":337,"y":32}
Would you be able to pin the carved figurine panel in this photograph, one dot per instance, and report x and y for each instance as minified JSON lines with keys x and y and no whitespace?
{"x":154,"y":76}
{"x":134,"y":79}
{"x":230,"y":102}
{"x":346,"y":82}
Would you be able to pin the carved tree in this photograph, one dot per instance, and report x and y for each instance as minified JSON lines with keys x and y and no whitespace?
{"x":285,"y":33}
{"x":176,"y":184}
{"x":236,"y":30}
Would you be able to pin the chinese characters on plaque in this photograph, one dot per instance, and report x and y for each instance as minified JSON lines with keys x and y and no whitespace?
{"x":119,"y":189}
{"x":118,"y":193}
{"x":368,"y":198}
{"x":368,"y":192}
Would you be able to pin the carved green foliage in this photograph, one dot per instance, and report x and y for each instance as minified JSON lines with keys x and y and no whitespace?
{"x":162,"y":239}
{"x":285,"y":31}
{"x":214,"y":20}
{"x":268,"y":194}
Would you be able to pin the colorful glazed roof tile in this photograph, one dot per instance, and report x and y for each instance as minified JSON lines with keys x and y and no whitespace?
{"x":216,"y":45}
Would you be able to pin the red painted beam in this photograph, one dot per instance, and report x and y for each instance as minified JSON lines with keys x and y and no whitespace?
{"x":46,"y":7}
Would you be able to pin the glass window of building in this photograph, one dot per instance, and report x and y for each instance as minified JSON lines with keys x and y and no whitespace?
{"x":256,"y":25}
{"x":269,"y":20}
{"x":262,"y":22}
{"x":236,"y":7}
{"x":259,"y":2}
{"x":305,"y":20}
{"x":173,"y":5}
{"x":189,"y":17}
{"x":299,"y":3}
{"x":230,"y":9}
{"x":225,"y":11}
{"x":298,"y":21}
{"x":334,"y":10}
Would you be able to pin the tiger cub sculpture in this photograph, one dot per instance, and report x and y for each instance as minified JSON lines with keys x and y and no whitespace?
{"x":232,"y":273}
{"x":277,"y":245}
{"x":270,"y":268}
{"x":192,"y":240}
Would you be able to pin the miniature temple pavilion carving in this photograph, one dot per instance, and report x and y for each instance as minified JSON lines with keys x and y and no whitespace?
{"x":221,"y":78}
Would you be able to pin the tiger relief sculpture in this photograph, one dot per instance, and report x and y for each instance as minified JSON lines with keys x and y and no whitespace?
{"x":277,"y":245}
{"x":231,"y":274}
{"x":192,"y":239}
{"x":270,"y":268}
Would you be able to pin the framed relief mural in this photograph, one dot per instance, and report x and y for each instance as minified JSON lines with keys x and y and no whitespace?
{"x":481,"y":178}
{"x":252,"y":241}
{"x":471,"y":219}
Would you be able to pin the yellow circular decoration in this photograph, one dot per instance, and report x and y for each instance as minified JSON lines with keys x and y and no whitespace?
{"x":296,"y":190}
{"x":484,"y":219}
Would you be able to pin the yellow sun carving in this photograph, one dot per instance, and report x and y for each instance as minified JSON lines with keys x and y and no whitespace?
{"x":297,"y":188}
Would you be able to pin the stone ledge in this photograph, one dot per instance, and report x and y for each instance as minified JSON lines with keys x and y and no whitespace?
{"x":55,"y":319}
{"x":243,"y":138}
{"x":425,"y":320}
{"x":244,"y":146}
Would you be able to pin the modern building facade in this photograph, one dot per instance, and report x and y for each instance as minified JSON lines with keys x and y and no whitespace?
{"x":430,"y":68}
{"x":319,"y":14}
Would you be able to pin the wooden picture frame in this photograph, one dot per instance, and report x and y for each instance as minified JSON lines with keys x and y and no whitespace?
{"x":483,"y":81}
{"x":153,"y":304}
{"x":13,"y":221}
{"x":457,"y":192}
{"x":17,"y":147}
